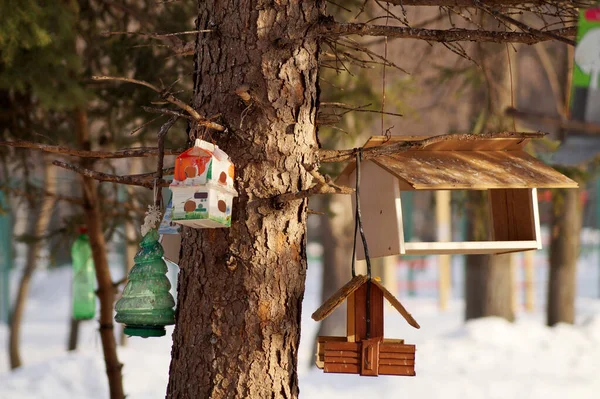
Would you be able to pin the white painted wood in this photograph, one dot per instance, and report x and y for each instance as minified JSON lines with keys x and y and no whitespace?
{"x":536,"y":217}
{"x":468,"y":247}
{"x":381,"y":211}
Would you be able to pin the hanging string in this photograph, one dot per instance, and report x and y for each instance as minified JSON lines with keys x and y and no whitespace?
{"x":358,"y":227}
{"x":512,"y":94}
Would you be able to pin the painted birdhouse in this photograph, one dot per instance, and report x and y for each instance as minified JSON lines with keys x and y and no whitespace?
{"x":364,"y":350}
{"x":202,"y":187}
{"x":498,"y":165}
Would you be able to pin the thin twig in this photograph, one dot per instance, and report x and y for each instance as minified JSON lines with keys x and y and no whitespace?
{"x":165,"y":111}
{"x":162,"y":133}
{"x":360,"y":108}
{"x":168,"y":97}
{"x":526,"y":28}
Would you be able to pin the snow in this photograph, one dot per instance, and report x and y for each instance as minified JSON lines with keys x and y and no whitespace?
{"x":486,"y":358}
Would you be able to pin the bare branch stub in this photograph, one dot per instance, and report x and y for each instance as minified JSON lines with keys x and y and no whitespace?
{"x":334,"y":29}
{"x":327,"y":156}
{"x":167,"y":96}
{"x":323,"y":185}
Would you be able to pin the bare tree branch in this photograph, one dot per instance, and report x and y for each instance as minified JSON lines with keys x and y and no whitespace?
{"x":170,"y":98}
{"x":105,"y":177}
{"x":326,"y":156}
{"x":580,"y":127}
{"x":324,"y":185}
{"x":57,"y":149}
{"x":334,"y":29}
{"x":157,"y":35}
{"x":472,"y":3}
{"x":526,"y":28}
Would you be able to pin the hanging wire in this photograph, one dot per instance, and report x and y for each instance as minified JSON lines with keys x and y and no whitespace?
{"x":358,"y":226}
{"x":359,"y":215}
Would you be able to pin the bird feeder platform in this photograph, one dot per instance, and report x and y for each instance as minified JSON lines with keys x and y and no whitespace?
{"x":498,"y":165}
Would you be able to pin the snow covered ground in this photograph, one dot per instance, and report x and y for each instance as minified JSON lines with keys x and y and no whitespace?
{"x":487,"y":358}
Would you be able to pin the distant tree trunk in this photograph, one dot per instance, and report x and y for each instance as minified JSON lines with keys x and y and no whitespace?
{"x":131,"y":234}
{"x":488,"y":285}
{"x":337,"y":231}
{"x":489,"y":278}
{"x":73,"y":334}
{"x":33,"y":249}
{"x":564,"y":252}
{"x":240,"y":289}
{"x":106,"y":290}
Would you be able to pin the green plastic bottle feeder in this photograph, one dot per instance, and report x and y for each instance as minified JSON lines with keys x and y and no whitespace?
{"x":84,"y":278}
{"x":147,"y":306}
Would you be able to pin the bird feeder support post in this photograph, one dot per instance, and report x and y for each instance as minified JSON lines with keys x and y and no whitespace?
{"x":444,"y":233}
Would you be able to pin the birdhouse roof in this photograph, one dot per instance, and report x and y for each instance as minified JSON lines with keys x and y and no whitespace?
{"x":465,"y":162}
{"x":343,"y":293}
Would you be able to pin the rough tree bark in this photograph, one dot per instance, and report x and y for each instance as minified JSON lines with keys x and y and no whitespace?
{"x":240,"y":289}
{"x":106,"y":291}
{"x":564,"y":252}
{"x":42,"y":219}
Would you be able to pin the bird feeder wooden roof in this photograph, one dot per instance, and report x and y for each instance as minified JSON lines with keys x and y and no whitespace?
{"x":496,"y":163}
{"x":343,"y":293}
{"x":465,"y":162}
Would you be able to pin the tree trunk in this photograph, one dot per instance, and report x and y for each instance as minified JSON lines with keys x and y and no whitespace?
{"x":240,"y":289}
{"x":488,"y":285}
{"x":73,"y":334}
{"x":564,"y":252}
{"x":106,"y":291}
{"x":40,"y":226}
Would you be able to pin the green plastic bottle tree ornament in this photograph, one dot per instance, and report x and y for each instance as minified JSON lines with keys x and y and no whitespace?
{"x":147,"y":306}
{"x":84,"y":278}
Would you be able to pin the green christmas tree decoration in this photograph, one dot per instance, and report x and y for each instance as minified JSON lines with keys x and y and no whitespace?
{"x":147,"y":306}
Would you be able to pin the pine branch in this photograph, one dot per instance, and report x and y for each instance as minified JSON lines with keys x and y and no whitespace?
{"x":335,"y":29}
{"x":326,"y":156}
{"x":167,"y":96}
{"x":57,"y":149}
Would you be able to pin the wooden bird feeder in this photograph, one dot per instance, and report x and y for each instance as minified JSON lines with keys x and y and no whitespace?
{"x":498,"y":165}
{"x":363,"y":350}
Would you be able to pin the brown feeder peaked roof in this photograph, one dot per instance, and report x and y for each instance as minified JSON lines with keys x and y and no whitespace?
{"x":343,"y":293}
{"x":466,"y":162}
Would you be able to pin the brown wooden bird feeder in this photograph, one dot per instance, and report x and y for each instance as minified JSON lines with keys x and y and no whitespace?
{"x":364,"y":350}
{"x":499,"y":165}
